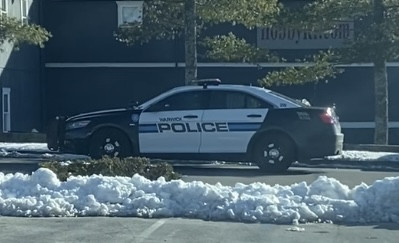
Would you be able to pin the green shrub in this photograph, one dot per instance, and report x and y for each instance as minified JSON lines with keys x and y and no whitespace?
{"x":112,"y":167}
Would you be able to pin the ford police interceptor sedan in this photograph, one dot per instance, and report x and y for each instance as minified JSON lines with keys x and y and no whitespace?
{"x":206,"y":122}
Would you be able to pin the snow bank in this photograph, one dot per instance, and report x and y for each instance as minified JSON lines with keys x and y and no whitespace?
{"x":353,"y":155}
{"x":34,"y":150}
{"x":38,"y":147}
{"x":64,"y":157}
{"x":326,"y":199}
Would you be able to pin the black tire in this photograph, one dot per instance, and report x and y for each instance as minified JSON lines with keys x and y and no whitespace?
{"x":109,"y":142}
{"x":274,"y":153}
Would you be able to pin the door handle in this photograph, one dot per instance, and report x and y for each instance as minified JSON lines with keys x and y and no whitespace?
{"x":190,"y":116}
{"x":254,"y":116}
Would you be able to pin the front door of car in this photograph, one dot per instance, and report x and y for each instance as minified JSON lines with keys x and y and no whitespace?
{"x":171,"y":125}
{"x":235,"y":117}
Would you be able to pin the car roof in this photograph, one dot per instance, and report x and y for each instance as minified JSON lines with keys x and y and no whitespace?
{"x":236,"y":87}
{"x":254,"y":90}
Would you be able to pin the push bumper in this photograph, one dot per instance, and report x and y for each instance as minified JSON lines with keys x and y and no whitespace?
{"x":58,"y":139}
{"x":55,"y":133}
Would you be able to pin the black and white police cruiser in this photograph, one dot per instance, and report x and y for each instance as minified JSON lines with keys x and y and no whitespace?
{"x":208,"y":121}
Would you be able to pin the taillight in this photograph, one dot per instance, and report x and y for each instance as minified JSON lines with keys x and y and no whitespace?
{"x":327,"y":117}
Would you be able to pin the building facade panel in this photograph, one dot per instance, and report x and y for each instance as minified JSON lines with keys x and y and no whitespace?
{"x":76,"y":90}
{"x":20,"y":76}
{"x":83,"y":31}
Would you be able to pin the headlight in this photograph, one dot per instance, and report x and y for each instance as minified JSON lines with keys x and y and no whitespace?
{"x":77,"y":124}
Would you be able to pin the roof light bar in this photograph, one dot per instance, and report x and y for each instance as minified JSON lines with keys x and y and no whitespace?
{"x":206,"y":82}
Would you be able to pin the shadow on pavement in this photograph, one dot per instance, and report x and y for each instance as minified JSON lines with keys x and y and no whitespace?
{"x":243,"y":171}
{"x":385,"y":226}
{"x":354,"y":165}
{"x":382,"y":169}
{"x":388,"y":226}
{"x":18,"y":168}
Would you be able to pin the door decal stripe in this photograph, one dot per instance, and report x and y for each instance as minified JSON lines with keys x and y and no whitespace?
{"x":148,"y":128}
{"x":243,"y":127}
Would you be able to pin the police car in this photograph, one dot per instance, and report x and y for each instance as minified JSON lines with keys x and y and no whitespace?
{"x":208,"y":121}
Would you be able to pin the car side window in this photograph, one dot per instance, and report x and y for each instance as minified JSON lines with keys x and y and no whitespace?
{"x":191,"y":100}
{"x":236,"y":100}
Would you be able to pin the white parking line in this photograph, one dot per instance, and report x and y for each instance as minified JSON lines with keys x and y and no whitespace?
{"x":144,"y":235}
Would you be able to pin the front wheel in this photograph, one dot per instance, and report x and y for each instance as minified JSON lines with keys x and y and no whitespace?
{"x":109,"y":142}
{"x":274,"y":153}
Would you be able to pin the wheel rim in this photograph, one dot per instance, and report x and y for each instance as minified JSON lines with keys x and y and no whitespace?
{"x":273,"y":154}
{"x":111,"y":147}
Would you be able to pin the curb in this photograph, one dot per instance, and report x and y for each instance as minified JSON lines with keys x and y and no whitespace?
{"x":373,"y":164}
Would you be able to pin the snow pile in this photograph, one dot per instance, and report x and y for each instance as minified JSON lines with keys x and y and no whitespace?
{"x":353,"y":155}
{"x":326,"y":199}
{"x":38,"y":147}
{"x":59,"y":157}
{"x":3,"y":153}
{"x":296,"y":229}
{"x":13,"y":154}
{"x":34,"y":150}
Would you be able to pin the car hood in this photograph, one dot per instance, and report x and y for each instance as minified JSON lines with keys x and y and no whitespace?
{"x":97,"y":114}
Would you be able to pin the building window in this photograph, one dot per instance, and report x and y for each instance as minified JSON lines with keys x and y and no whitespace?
{"x":3,"y":7}
{"x":6,"y":110}
{"x":24,"y":11}
{"x":130,"y":12}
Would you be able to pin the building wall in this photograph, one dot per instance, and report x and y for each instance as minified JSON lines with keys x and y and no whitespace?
{"x":77,"y":90}
{"x":83,"y":31}
{"x":20,"y":71}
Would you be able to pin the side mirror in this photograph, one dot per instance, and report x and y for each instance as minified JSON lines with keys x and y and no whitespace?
{"x":133,"y":104}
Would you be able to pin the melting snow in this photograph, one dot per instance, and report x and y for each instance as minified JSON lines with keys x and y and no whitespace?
{"x":296,"y":229}
{"x":39,"y":147}
{"x":324,"y":200}
{"x":352,"y":155}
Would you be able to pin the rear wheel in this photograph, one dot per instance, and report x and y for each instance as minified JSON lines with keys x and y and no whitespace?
{"x":274,"y":153}
{"x":109,"y":142}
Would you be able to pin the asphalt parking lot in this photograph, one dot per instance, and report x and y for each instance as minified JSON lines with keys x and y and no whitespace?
{"x":106,"y":229}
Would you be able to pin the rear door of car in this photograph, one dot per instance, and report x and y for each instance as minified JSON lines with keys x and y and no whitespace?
{"x":231,"y":120}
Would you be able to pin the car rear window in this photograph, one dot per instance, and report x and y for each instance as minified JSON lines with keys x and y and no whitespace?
{"x":298,"y":102}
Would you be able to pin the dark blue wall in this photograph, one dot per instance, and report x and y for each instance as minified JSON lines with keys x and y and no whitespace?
{"x":72,"y":91}
{"x":21,"y":74}
{"x":83,"y":31}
